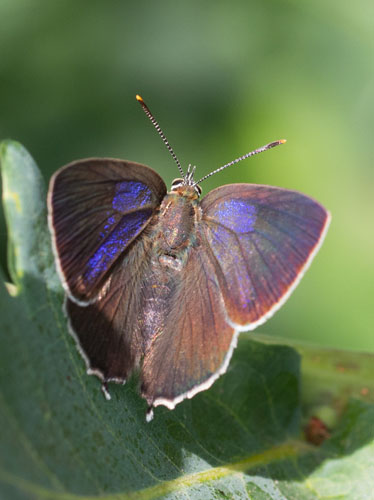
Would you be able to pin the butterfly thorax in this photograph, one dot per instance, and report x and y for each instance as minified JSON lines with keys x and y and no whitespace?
{"x":178,"y":215}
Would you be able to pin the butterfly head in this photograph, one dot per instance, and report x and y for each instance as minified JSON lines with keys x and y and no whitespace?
{"x":186,"y":185}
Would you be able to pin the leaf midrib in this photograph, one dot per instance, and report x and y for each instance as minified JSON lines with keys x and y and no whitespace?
{"x":289,"y":449}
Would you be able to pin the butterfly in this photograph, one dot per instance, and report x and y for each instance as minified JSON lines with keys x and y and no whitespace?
{"x":163,"y":282}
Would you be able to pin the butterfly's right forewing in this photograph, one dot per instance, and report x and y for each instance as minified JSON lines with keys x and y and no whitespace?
{"x":261,"y":240}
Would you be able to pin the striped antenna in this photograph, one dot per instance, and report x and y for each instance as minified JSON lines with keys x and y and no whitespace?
{"x":158,"y":128}
{"x":252,"y":153}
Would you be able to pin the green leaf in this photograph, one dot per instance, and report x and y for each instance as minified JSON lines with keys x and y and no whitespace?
{"x":60,"y":439}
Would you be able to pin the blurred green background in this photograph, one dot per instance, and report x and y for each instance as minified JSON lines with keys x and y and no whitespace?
{"x":222,"y":78}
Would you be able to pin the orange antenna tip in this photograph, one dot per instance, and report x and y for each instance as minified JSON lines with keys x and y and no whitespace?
{"x":282,"y":141}
{"x":139,"y":98}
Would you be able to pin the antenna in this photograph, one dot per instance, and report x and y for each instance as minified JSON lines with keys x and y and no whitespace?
{"x":158,"y":128}
{"x":255,"y":152}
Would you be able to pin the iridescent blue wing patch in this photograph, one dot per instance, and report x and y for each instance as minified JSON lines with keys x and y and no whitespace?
{"x":261,"y":240}
{"x":97,"y":207}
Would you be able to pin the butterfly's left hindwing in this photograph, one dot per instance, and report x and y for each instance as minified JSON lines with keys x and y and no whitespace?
{"x":109,"y":332}
{"x":97,"y":207}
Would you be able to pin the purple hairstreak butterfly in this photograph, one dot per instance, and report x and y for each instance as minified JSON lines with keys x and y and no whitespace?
{"x":165,"y":281}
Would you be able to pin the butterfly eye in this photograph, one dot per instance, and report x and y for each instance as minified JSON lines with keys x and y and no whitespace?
{"x":198,"y":189}
{"x":177,"y":183}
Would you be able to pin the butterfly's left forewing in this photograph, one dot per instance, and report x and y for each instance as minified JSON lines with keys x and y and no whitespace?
{"x":261,"y":240}
{"x":97,"y":207}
